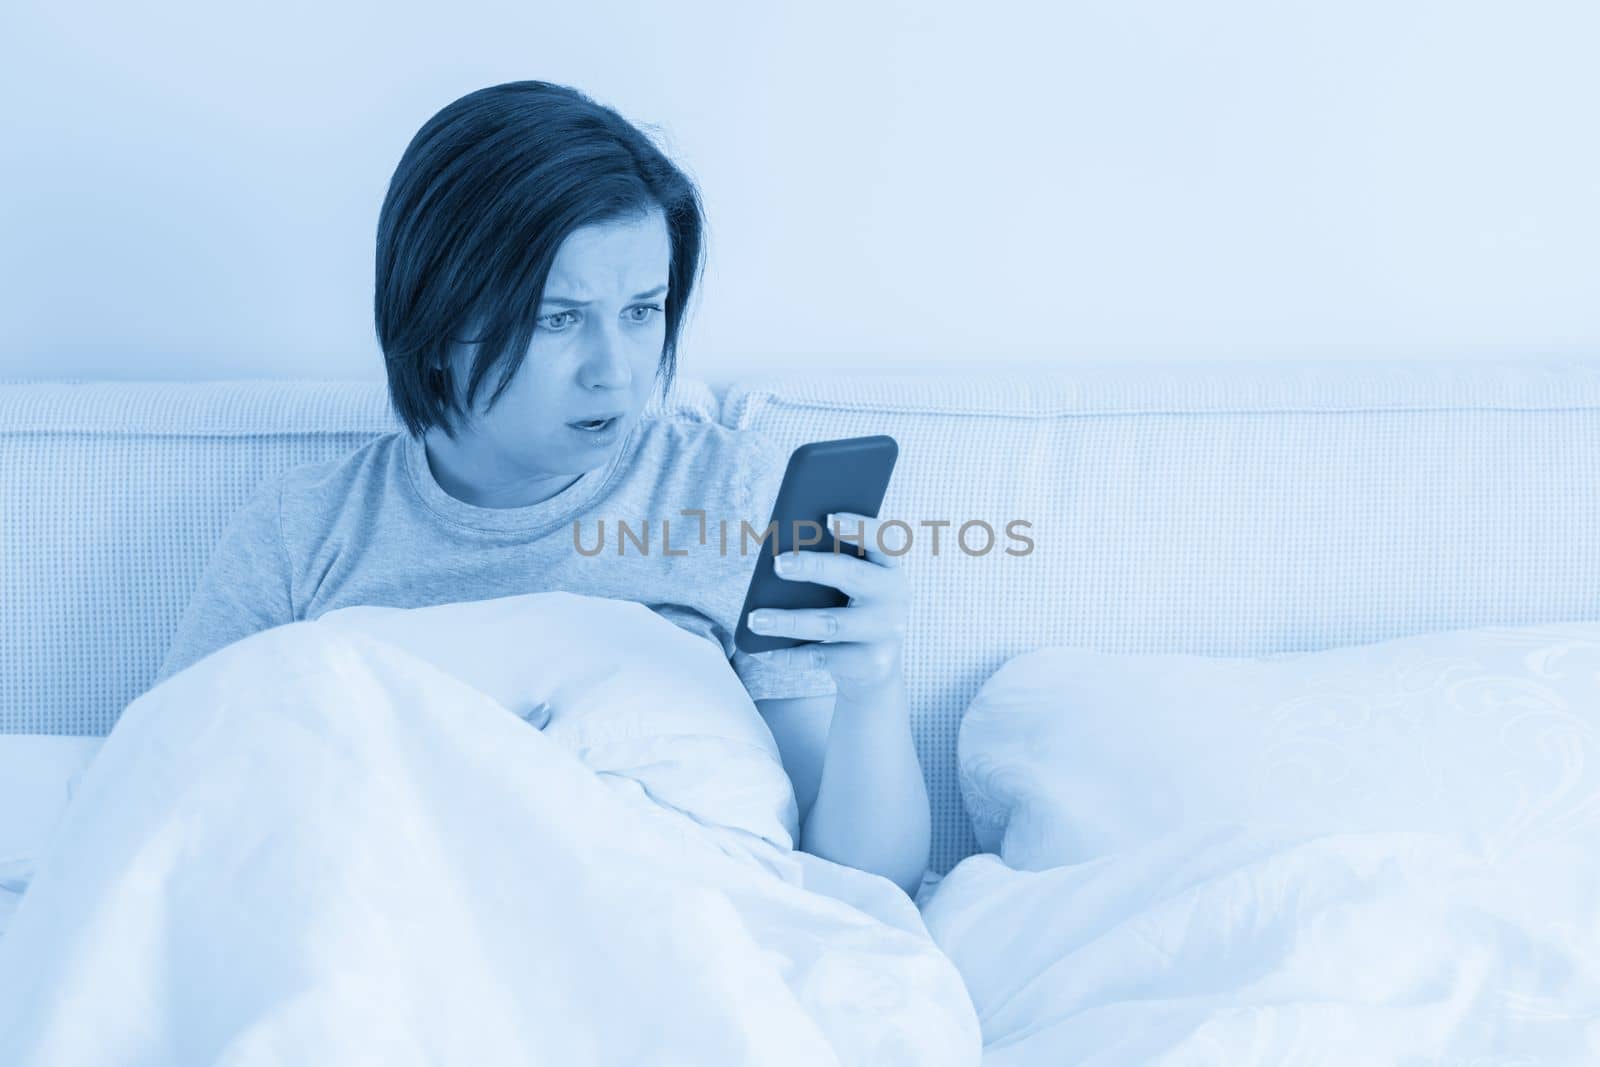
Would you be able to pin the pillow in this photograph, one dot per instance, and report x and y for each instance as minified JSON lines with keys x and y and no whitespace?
{"x":630,"y":692}
{"x":1067,"y":754}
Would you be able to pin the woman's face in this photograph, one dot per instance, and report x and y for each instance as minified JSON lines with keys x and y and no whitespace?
{"x":595,"y":352}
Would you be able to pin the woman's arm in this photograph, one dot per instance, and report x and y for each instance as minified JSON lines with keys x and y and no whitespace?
{"x":873,"y":814}
{"x":871,"y":805}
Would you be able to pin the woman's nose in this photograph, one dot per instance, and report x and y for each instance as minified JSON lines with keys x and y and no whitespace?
{"x":605,"y":365}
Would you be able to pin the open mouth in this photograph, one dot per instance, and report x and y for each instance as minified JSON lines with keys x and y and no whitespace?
{"x":594,"y":425}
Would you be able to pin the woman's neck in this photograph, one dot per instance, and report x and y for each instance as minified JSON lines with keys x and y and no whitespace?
{"x":471,"y":473}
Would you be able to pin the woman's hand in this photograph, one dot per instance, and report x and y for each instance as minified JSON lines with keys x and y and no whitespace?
{"x":862,"y":642}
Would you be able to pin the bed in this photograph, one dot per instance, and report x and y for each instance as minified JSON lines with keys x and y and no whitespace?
{"x":1220,"y":510}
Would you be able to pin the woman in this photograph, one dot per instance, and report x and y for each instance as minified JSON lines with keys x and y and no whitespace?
{"x":534,"y":239}
{"x":302,"y":845}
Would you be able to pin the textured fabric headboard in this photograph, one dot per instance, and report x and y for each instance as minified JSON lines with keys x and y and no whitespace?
{"x":1216,"y":509}
{"x":1226,"y":509}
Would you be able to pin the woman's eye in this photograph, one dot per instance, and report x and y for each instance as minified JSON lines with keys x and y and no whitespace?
{"x":557,"y":315}
{"x":645,"y":307}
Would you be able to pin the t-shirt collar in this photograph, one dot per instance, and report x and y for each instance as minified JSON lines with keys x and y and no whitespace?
{"x":530,"y":519}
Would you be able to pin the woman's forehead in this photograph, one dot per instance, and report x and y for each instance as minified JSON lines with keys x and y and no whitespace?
{"x":620,"y":259}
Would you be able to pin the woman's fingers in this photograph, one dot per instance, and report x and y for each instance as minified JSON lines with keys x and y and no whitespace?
{"x":850,"y":574}
{"x":852,"y":530}
{"x":826,"y":624}
{"x":861,"y":663}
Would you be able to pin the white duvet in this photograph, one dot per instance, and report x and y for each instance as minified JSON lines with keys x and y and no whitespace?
{"x":338,"y":842}
{"x":1235,"y":947}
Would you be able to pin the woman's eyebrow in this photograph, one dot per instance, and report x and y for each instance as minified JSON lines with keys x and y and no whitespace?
{"x":657,"y":291}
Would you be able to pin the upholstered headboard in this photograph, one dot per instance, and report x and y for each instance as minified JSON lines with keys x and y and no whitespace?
{"x":1215,"y":509}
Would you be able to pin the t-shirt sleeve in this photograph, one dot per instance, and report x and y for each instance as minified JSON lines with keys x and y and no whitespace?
{"x":243,"y":589}
{"x":762,"y":466}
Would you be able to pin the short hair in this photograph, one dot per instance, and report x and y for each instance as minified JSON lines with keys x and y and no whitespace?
{"x":477,"y":208}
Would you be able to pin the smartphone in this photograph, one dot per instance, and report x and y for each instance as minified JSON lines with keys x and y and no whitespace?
{"x":849,"y":474}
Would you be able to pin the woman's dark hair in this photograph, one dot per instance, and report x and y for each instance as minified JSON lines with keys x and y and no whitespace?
{"x":478,"y":207}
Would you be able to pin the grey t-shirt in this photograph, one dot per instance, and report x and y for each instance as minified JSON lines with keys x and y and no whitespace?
{"x":374,"y":527}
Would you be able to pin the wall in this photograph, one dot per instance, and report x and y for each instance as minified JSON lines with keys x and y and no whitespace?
{"x":194,"y":194}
